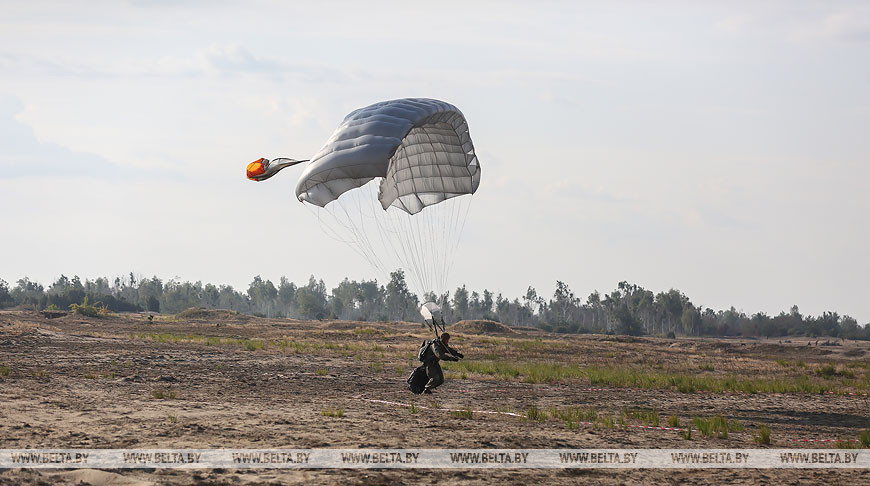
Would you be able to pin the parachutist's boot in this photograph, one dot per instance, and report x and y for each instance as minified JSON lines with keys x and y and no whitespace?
{"x":427,"y":391}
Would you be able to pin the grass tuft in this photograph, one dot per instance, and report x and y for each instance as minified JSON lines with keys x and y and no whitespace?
{"x":713,"y":427}
{"x":648,"y":417}
{"x":536,"y":414}
{"x":332,"y":412}
{"x":763,"y":436}
{"x":463,"y":414}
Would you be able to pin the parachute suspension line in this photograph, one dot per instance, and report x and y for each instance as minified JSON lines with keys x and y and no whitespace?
{"x":459,"y":233}
{"x":423,"y":244}
{"x":335,"y":217}
{"x":411,"y":235}
{"x":359,"y":235}
{"x":409,"y":258}
{"x":397,"y":224}
{"x":364,"y":235}
{"x":435,"y":236}
{"x":448,"y":250}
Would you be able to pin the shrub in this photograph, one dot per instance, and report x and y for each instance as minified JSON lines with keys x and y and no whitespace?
{"x":97,"y":309}
{"x":827,"y":371}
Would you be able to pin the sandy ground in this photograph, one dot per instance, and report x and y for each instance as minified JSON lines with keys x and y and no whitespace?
{"x":76,"y":382}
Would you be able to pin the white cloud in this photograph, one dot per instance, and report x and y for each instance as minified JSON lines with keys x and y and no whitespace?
{"x":853,"y":25}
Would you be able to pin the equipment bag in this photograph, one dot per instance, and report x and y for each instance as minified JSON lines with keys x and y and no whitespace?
{"x":418,"y":379}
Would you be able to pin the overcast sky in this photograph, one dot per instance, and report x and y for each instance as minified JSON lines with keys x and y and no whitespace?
{"x":720,"y":148}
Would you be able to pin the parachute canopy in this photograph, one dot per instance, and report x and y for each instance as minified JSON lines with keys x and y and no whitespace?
{"x":419,"y":147}
{"x":394,"y":183}
{"x":431,"y":312}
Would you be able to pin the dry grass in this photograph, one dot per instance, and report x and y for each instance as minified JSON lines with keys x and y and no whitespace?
{"x":161,"y":394}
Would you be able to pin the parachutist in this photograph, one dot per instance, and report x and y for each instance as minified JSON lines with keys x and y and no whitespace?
{"x":429,"y":375}
{"x":436,"y":350}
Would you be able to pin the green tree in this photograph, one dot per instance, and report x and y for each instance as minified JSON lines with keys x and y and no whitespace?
{"x":371,"y":301}
{"x":150,"y":291}
{"x":401,"y":303}
{"x":690,"y":320}
{"x":460,"y":303}
{"x":29,"y":294}
{"x":5,"y":296}
{"x":345,"y":300}
{"x":626,"y":321}
{"x":263,"y":295}
{"x":311,"y":299}
{"x":287,"y":297}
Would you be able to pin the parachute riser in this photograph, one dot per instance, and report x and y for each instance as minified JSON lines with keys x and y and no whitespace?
{"x":435,"y":327}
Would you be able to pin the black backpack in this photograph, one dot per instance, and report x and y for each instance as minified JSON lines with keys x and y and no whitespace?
{"x":425,"y":353}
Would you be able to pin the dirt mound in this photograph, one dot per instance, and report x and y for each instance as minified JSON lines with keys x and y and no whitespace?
{"x":481,"y":327}
{"x":202,"y":314}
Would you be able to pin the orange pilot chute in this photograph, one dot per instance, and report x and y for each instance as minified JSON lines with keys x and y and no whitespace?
{"x":257,"y":168}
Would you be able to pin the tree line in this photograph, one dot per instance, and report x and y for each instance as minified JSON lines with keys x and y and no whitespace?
{"x":628,"y":309}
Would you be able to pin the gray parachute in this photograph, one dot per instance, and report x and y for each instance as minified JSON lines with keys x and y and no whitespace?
{"x":394,"y":182}
{"x":419,"y":148}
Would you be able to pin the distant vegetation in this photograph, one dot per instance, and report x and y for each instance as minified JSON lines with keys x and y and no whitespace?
{"x":628,"y":309}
